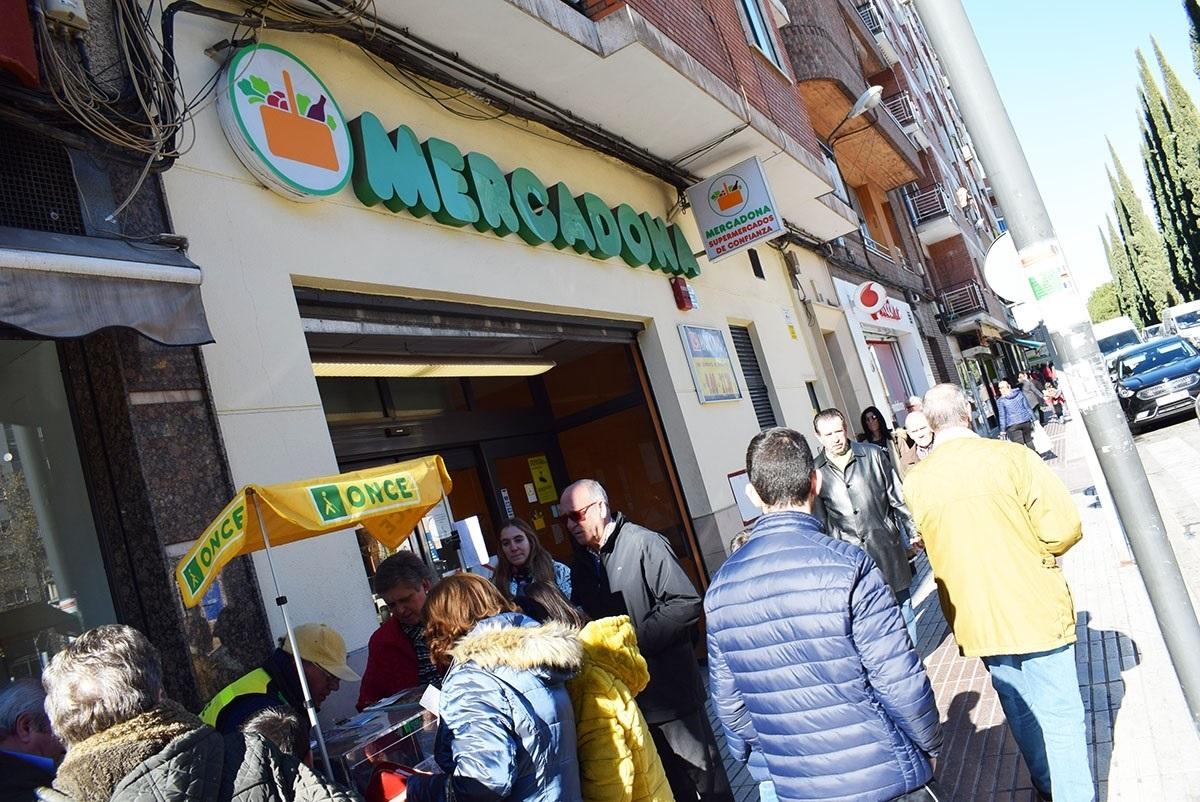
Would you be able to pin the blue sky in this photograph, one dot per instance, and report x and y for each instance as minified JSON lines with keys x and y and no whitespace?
{"x":1067,"y":73}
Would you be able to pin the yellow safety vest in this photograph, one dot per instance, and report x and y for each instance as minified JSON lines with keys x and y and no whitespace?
{"x":255,"y":682}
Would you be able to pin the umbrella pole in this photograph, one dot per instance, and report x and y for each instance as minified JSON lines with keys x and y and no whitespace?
{"x":281,"y":600}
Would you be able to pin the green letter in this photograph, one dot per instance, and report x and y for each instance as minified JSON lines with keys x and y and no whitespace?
{"x":683,"y":253}
{"x":573,"y":228}
{"x":536,"y":223}
{"x":604,"y":226}
{"x":636,"y":249}
{"x":664,"y":252}
{"x":447,"y":162}
{"x":491,"y":193}
{"x":390,"y":168}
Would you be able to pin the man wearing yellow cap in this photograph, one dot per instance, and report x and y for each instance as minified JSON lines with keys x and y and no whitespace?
{"x":275,"y":684}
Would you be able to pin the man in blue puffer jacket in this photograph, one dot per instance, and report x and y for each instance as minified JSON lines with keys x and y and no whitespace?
{"x":809,"y":662}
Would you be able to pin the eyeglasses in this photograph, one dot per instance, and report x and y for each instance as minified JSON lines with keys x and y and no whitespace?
{"x":580,"y":514}
{"x":330,"y":677}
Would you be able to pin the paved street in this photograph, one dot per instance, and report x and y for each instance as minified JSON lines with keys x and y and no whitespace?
{"x":1142,"y":743}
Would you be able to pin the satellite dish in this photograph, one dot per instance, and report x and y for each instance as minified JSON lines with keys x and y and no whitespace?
{"x":1004,"y":273}
{"x":1026,"y":315}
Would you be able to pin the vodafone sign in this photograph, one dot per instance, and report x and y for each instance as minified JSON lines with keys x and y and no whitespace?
{"x":872,"y":300}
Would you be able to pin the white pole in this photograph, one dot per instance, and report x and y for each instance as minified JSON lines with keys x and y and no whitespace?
{"x":281,"y":600}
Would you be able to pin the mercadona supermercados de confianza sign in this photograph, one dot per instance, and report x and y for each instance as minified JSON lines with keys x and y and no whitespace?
{"x":735,"y":209}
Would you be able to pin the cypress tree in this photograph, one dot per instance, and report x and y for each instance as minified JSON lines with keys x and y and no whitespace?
{"x":1183,"y":163}
{"x":1128,"y":293}
{"x":1192,"y":7}
{"x":1144,"y":246}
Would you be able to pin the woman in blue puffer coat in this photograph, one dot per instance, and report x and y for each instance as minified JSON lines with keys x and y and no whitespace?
{"x":507,"y":731}
{"x":1016,"y":416}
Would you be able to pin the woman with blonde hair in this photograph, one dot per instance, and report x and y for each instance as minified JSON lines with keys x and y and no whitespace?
{"x":618,"y":761}
{"x":507,"y":731}
{"x":522,"y":560}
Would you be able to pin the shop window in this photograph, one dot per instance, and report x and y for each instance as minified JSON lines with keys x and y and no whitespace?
{"x":756,"y":384}
{"x":350,"y":399}
{"x":52,"y":581}
{"x":812,"y":396}
{"x":501,"y":393}
{"x":415,"y":398}
{"x":590,"y":379}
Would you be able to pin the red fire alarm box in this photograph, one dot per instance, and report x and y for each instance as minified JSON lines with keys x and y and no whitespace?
{"x":685,"y":299}
{"x":17,"y":55}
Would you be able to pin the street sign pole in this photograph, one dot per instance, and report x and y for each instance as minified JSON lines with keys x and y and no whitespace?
{"x":1067,"y":321}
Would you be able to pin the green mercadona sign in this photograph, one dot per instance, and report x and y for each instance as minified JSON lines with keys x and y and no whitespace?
{"x":435,"y":178}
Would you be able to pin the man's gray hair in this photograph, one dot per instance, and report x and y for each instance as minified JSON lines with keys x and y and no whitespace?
{"x":402,"y":568}
{"x":22,"y":697}
{"x":946,"y":406}
{"x":594,"y":488}
{"x":108,"y":676}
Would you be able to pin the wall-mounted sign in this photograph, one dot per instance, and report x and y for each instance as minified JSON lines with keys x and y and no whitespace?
{"x":712,"y":369}
{"x":285,"y":127}
{"x":871,"y":299}
{"x":284,"y":124}
{"x":735,"y":209}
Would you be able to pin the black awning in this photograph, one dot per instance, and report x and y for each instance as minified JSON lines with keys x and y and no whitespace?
{"x":63,"y":286}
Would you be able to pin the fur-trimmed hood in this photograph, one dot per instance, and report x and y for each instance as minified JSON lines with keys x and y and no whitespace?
{"x":515,"y":641}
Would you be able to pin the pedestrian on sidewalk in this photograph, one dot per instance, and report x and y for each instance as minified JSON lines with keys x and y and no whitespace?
{"x":994,"y":517}
{"x":860,"y":502}
{"x":810,"y":668}
{"x":1031,"y":388}
{"x":1016,"y":416}
{"x":624,"y":569}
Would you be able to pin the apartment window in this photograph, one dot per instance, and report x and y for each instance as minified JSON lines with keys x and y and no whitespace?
{"x":835,"y":174}
{"x":760,"y":30}
{"x":756,"y":384}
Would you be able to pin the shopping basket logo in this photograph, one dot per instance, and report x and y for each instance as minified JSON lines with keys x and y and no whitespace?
{"x":284,"y":124}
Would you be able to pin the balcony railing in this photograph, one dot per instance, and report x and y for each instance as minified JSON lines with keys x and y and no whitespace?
{"x":870,"y":17}
{"x":965,"y":299}
{"x":927,"y":204}
{"x":901,"y":107}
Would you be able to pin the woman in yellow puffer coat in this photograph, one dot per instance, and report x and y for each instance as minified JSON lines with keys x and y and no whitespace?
{"x":618,"y":761}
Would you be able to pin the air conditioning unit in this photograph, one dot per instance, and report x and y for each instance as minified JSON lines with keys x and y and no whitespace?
{"x":912,"y":297}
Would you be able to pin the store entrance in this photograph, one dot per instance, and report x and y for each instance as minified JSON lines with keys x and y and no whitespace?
{"x":512,"y":443}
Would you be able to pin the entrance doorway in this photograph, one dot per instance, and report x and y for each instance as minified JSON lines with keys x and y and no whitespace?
{"x":890,"y":364}
{"x":512,"y":443}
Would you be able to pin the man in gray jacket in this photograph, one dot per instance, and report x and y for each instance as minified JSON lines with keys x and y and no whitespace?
{"x":625,"y":569}
{"x":861,"y":502}
{"x":127,"y":742}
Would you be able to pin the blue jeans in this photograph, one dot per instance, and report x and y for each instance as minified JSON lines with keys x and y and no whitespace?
{"x":1040,"y":696}
{"x":904,"y":599}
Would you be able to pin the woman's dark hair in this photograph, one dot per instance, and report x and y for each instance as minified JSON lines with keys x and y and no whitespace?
{"x":539,"y":564}
{"x":884,"y":432}
{"x":554,"y":605}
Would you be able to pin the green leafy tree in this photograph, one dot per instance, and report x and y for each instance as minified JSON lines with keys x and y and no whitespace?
{"x":1128,"y":292}
{"x":1144,"y":246}
{"x":1102,"y":303}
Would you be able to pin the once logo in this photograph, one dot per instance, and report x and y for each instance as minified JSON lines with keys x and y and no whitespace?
{"x":345,"y":500}
{"x":283,"y":123}
{"x":328,"y":501}
{"x":727,"y":195}
{"x":211,"y":545}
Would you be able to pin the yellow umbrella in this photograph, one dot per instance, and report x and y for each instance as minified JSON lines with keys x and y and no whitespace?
{"x":387,"y":501}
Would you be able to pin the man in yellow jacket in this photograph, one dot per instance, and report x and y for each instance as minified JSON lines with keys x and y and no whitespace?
{"x":994,"y":517}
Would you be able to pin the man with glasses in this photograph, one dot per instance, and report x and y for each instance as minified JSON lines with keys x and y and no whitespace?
{"x":276,"y":684}
{"x":397,"y":657}
{"x":625,"y":569}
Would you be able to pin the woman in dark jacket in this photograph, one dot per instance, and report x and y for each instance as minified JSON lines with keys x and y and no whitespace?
{"x":1016,"y":416}
{"x":507,"y":731}
{"x":876,"y":432}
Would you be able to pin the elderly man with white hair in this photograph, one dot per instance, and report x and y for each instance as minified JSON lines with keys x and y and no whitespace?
{"x":29,"y":751}
{"x":994,"y":518}
{"x":127,"y":742}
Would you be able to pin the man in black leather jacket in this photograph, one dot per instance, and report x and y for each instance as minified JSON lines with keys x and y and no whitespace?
{"x":861,"y":502}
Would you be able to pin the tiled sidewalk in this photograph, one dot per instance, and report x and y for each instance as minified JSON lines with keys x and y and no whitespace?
{"x":1142,"y":742}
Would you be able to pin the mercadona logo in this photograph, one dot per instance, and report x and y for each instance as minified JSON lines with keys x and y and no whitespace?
{"x":284,"y":124}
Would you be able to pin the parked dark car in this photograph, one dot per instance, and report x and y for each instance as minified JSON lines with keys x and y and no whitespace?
{"x":1157,"y":380}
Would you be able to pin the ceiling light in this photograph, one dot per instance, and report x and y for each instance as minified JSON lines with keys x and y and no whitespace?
{"x":425,"y":368}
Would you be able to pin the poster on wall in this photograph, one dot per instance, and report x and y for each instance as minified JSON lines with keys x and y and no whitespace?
{"x":712,"y":369}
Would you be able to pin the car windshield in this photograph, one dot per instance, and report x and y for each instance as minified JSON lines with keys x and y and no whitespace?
{"x":1145,"y":360}
{"x":1188,"y":319}
{"x":1119,"y":340}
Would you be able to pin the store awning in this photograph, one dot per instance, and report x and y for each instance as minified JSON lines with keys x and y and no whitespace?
{"x":62,"y":286}
{"x":1028,"y":343}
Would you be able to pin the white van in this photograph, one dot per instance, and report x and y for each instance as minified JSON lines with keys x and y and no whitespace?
{"x":1183,"y":320}
{"x":1115,"y":333}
